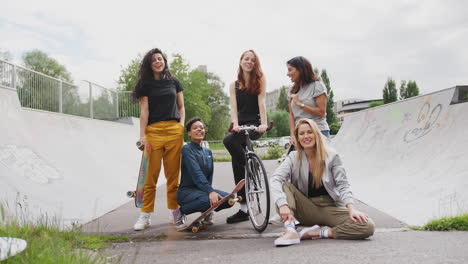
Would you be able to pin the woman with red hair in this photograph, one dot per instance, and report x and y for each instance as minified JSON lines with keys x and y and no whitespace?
{"x":247,"y":101}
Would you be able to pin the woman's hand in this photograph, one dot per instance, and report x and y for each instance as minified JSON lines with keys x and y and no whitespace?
{"x":262,"y":128}
{"x":292,"y":140}
{"x":236,"y":128}
{"x":357,"y":215}
{"x":294,"y":98}
{"x":286,"y":214}
{"x":214,"y":198}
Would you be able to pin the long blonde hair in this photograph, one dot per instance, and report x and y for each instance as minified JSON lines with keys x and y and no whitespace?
{"x":320,"y":150}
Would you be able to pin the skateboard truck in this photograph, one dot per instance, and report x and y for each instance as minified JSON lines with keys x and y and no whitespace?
{"x":140,"y":145}
{"x":238,"y":199}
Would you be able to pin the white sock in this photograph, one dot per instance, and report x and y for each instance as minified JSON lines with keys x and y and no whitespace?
{"x":145,"y":214}
{"x":243,"y":207}
{"x":324,"y":232}
{"x":290,"y":226}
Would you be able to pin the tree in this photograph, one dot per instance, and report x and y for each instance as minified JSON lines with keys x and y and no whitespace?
{"x":331,"y":116}
{"x":390,"y":93}
{"x":283,"y":100}
{"x":218,"y":102}
{"x":129,"y":74}
{"x":126,"y":83}
{"x":281,"y":123}
{"x":408,"y":89}
{"x":39,"y":61}
{"x":40,"y":92}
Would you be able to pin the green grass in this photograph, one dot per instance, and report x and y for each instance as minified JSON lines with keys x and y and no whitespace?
{"x":216,"y":145}
{"x":459,"y":223}
{"x":47,"y":244}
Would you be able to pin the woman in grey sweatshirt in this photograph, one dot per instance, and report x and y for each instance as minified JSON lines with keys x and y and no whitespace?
{"x":311,"y":186}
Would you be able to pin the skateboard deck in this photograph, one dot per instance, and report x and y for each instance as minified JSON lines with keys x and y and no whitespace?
{"x":197,"y":224}
{"x":138,"y":193}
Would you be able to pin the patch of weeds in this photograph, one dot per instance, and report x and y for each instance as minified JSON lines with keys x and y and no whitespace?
{"x":459,"y":223}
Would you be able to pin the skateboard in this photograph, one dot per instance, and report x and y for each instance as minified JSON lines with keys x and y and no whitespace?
{"x":138,"y":193}
{"x":197,"y":224}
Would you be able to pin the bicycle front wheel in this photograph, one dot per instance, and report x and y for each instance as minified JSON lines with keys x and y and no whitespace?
{"x":257,"y":192}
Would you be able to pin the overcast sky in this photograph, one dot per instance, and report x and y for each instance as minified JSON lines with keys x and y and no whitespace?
{"x":360,"y":43}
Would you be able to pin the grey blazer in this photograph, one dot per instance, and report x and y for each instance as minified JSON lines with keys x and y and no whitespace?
{"x":334,"y":178}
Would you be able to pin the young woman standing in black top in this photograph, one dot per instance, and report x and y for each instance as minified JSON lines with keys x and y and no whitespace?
{"x":247,"y":100}
{"x":162,"y":115}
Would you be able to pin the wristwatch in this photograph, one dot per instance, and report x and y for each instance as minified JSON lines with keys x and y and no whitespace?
{"x":302,"y":105}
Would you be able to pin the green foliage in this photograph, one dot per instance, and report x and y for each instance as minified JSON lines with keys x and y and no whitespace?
{"x":39,"y":61}
{"x":390,"y":93}
{"x":376,"y":103}
{"x":47,"y":244}
{"x":129,"y":74}
{"x":203,"y":97}
{"x":274,"y":152}
{"x":459,"y":223}
{"x":103,"y":106}
{"x":283,"y":100}
{"x":331,"y":116}
{"x":408,"y":89}
{"x":281,"y":123}
{"x":40,"y":92}
{"x":334,"y":128}
{"x":218,"y":102}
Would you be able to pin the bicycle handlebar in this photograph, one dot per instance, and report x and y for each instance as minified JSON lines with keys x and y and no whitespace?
{"x":252,"y":127}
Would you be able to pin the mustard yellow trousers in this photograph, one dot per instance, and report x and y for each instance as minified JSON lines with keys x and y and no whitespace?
{"x":166,"y":139}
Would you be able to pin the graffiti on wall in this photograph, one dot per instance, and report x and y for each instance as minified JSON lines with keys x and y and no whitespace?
{"x":425,"y":123}
{"x":25,"y":162}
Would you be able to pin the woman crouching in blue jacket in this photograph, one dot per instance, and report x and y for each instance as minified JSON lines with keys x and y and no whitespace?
{"x":196,"y":193}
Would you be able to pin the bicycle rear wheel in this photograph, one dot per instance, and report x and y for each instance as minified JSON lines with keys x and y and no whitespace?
{"x":257,"y":192}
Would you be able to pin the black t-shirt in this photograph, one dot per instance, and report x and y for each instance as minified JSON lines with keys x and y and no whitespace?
{"x":162,"y":99}
{"x":313,"y":192}
{"x":247,"y":106}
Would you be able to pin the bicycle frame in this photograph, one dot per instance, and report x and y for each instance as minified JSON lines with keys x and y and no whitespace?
{"x":257,"y":190}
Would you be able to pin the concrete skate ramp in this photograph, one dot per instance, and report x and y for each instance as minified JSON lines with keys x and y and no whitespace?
{"x":410,"y":158}
{"x":58,"y":166}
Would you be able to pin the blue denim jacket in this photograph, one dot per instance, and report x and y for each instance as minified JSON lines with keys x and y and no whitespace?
{"x":197,"y":168}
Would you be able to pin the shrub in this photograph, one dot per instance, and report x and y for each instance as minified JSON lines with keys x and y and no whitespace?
{"x":274,"y":152}
{"x":334,"y":128}
{"x":448,"y":223}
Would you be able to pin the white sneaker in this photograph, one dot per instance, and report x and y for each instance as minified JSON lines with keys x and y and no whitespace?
{"x":178,"y":219}
{"x":143,"y":222}
{"x":208,"y":220}
{"x":303,"y":234}
{"x":290,"y":237}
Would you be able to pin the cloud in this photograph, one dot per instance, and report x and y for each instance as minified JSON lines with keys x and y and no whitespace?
{"x":360,"y":43}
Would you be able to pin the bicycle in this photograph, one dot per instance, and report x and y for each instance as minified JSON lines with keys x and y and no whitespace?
{"x":257,"y":190}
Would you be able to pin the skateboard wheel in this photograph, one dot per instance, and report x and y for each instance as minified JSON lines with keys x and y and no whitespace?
{"x":231,"y":202}
{"x":239,"y":199}
{"x":195,"y":229}
{"x":131,"y":194}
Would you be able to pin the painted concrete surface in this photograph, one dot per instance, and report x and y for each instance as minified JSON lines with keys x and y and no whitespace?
{"x":121,"y":220}
{"x":410,"y":158}
{"x":63,"y":168}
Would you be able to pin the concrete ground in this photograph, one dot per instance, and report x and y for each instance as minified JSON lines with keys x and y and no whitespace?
{"x":234,"y":243}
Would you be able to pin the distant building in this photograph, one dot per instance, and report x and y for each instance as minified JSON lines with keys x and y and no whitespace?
{"x":272,"y":97}
{"x":344,"y":107}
